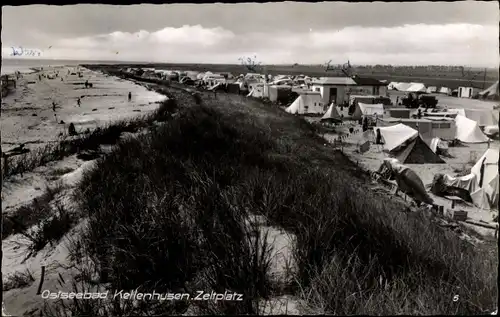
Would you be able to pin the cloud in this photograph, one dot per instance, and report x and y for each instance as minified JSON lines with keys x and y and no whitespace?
{"x":416,"y":44}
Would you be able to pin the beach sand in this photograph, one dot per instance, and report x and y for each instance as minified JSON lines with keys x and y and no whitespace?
{"x":19,"y":125}
{"x":28,"y":117}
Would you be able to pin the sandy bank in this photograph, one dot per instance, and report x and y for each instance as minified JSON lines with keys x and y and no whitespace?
{"x":28,"y":116}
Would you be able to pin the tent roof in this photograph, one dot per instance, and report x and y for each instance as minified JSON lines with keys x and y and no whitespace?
{"x":331,"y":114}
{"x":483,"y":117}
{"x":394,"y":136}
{"x":415,"y":87}
{"x":366,"y":81}
{"x":418,"y":152}
{"x":493,"y":90}
{"x":468,"y":130}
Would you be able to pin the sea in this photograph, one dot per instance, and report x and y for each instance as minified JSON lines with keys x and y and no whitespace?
{"x":25,"y":65}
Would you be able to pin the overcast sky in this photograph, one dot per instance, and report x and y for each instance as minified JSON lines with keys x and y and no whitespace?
{"x":418,"y":33}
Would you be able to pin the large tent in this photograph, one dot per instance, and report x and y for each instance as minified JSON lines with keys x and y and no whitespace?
{"x":307,"y":103}
{"x":418,"y":152}
{"x":396,"y":135}
{"x":487,"y":177}
{"x":364,"y":109}
{"x":491,"y":92}
{"x":403,"y":86}
{"x":416,"y":87}
{"x":468,"y":131}
{"x":482,"y":117}
{"x":331,"y":114}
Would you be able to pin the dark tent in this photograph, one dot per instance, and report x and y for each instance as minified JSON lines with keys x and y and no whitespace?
{"x":418,"y":152}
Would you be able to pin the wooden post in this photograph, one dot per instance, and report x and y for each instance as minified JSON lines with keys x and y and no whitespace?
{"x":41,"y":281}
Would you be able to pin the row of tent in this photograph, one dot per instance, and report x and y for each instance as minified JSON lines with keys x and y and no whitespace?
{"x":311,"y":103}
{"x":491,"y":92}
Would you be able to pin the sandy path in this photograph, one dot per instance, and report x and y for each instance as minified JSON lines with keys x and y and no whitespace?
{"x":27,"y":114}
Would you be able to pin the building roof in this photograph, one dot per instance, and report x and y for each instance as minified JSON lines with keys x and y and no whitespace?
{"x":344,"y":81}
{"x":366,"y":81}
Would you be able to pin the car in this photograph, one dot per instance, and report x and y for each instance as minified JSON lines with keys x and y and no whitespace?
{"x":413,"y":100}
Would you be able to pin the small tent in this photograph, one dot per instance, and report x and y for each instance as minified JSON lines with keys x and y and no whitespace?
{"x":307,"y":103}
{"x":396,"y":135}
{"x":332,"y":114}
{"x":416,"y":87}
{"x":364,"y":109}
{"x":468,"y":131}
{"x":418,"y":152}
{"x":491,"y":92}
{"x":445,"y":90}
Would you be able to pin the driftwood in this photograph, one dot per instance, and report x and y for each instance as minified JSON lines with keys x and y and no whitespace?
{"x":480,"y":224}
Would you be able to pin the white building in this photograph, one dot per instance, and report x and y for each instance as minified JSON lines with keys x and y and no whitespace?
{"x":467,"y":92}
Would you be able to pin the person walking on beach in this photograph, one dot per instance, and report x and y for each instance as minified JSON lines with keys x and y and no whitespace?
{"x":129,"y":96}
{"x":79,"y":102}
{"x":53,"y":106}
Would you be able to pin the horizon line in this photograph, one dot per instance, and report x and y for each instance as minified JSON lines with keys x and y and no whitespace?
{"x":235,"y":64}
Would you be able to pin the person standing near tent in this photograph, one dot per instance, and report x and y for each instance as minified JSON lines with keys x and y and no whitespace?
{"x":365,"y":124}
{"x":378,"y":139}
{"x":397,"y":100}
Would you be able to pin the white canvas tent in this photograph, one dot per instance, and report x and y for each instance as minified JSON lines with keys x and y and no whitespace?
{"x":468,"y":131}
{"x":490,"y":92}
{"x":331,"y":114}
{"x":445,"y":90}
{"x":490,"y":179}
{"x":480,"y":198}
{"x":364,"y":109}
{"x":403,"y":86}
{"x":308,"y":103}
{"x":392,"y":85}
{"x":467,"y":182}
{"x":416,"y":87}
{"x":396,"y":135}
{"x":431,"y":89}
{"x":482,"y":117}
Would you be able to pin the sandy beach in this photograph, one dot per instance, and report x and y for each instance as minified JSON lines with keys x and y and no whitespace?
{"x":28,"y":117}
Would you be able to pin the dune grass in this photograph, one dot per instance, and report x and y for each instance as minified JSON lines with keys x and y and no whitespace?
{"x":24,"y":217}
{"x":19,"y":279}
{"x":174,"y":220}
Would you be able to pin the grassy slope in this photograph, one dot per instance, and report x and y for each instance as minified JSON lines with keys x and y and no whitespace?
{"x":172,"y":219}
